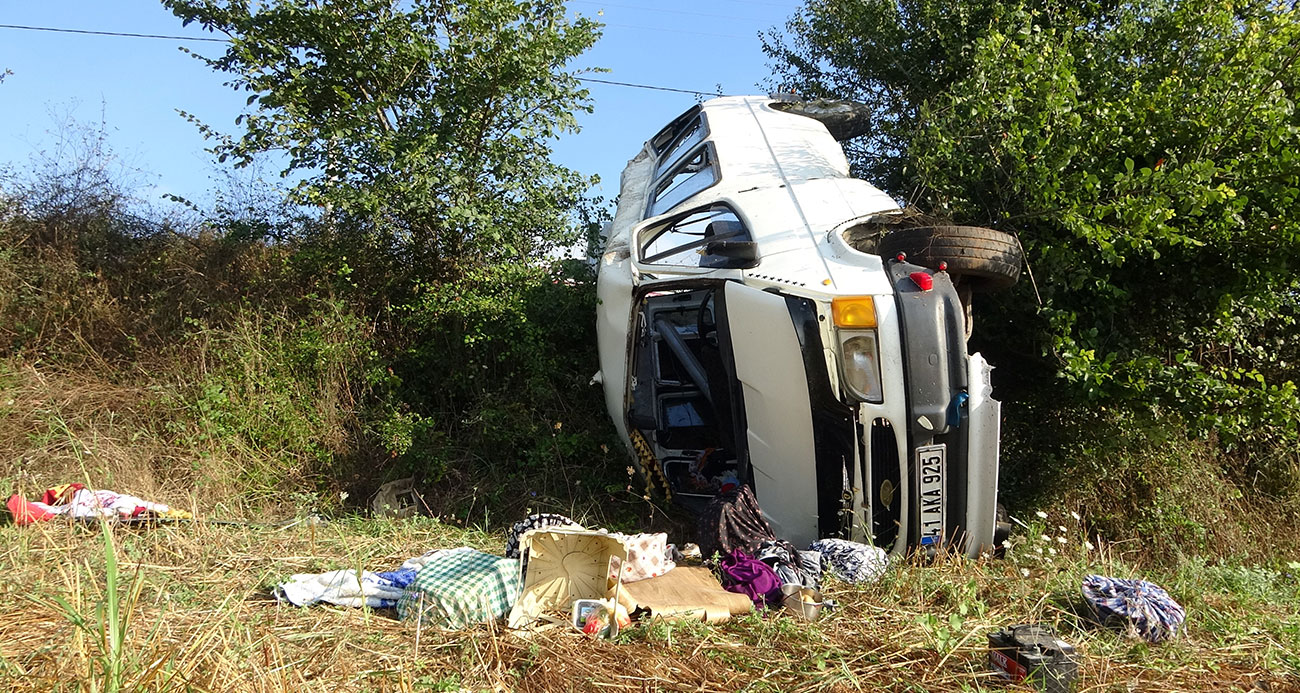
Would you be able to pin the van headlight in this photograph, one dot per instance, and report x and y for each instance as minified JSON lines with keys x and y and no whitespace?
{"x":860,"y":362}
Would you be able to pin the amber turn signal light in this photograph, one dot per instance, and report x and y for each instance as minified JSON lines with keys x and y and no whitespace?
{"x":854,"y":311}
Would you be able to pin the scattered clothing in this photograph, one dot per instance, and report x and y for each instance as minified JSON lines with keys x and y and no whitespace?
{"x":346,"y":588}
{"x":75,"y":500}
{"x":733,"y":521}
{"x":852,"y":561}
{"x":794,"y":567}
{"x":1137,"y":604}
{"x":648,"y":556}
{"x":744,"y":574}
{"x":687,"y":552}
{"x":536,"y":521}
{"x":461,"y":589}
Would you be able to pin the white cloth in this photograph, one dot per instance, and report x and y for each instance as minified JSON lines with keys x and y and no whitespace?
{"x":341,"y":587}
{"x":346,"y":588}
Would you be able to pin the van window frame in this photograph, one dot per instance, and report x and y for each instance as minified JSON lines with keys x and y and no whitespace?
{"x":648,"y":236}
{"x":673,"y":130}
{"x":675,"y":152}
{"x":660,"y":185}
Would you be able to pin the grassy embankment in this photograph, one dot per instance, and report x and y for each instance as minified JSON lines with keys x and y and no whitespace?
{"x":187,"y":606}
{"x":192,"y":612}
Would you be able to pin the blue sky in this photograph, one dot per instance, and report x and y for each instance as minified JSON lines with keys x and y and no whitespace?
{"x":135,"y":86}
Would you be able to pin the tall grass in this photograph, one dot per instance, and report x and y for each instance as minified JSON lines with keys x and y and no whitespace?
{"x":101,"y":641}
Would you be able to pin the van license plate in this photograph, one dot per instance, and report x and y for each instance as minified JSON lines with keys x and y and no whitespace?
{"x":930,"y":462}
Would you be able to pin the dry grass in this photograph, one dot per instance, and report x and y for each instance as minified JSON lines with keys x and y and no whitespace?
{"x":195,"y":604}
{"x":62,"y":426}
{"x":201,"y":619}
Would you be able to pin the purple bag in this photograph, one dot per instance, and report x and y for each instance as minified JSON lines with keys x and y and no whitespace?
{"x":744,"y":574}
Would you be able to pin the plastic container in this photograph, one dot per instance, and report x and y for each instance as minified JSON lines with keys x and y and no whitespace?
{"x":1032,"y":654}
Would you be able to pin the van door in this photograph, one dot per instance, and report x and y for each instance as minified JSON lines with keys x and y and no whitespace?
{"x":778,"y":413}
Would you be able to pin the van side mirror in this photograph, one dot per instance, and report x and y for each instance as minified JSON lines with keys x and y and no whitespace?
{"x":730,"y":254}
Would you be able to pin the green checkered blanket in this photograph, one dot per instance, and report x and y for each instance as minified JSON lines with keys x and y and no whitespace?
{"x":462,"y":589}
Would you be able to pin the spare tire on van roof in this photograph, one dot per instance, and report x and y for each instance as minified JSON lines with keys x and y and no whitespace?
{"x":843,"y":119}
{"x":985,"y":259}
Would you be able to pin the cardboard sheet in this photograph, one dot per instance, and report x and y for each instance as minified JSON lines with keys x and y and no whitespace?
{"x":685,"y":593}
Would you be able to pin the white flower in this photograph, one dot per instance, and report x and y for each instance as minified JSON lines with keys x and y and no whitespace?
{"x":1075,"y":515}
{"x":1038,"y":549}
{"x":1062,"y":528}
{"x":1006,"y":543}
{"x":1045,"y":538}
{"x":1024,"y":572}
{"x":1041,"y":514}
{"x":1060,"y":540}
{"x":1051,"y":551}
{"x":1088,"y":545}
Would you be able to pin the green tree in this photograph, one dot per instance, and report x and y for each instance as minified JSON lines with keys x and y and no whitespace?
{"x":422,"y":129}
{"x":420,"y":132}
{"x":1146,"y":153}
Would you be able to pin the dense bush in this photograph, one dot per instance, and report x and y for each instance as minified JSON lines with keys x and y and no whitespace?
{"x":1146,"y":156}
{"x":270,"y":370}
{"x":403,"y":312}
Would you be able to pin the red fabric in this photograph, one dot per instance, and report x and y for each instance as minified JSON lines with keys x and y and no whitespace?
{"x":25,"y":513}
{"x":61,"y":495}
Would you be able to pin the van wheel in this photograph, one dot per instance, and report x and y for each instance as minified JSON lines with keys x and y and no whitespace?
{"x":984,"y":259}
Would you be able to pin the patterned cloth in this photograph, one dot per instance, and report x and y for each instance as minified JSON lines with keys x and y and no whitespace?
{"x":647,"y":557}
{"x":535,"y":521}
{"x":1139,"y":604}
{"x":733,"y":521}
{"x":75,"y":500}
{"x":794,"y":567}
{"x":851,"y":560}
{"x":461,"y":589}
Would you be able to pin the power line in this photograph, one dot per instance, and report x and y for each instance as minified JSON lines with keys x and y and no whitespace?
{"x":647,"y":86}
{"x":604,"y":5}
{"x":120,"y":34}
{"x":676,"y":31}
{"x":111,"y":33}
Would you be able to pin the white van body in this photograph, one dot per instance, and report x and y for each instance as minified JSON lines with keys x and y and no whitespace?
{"x":723,"y":359}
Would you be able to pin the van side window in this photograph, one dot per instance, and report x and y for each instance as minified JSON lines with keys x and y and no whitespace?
{"x":684,"y":241}
{"x":696,"y":172}
{"x":690,"y":136}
